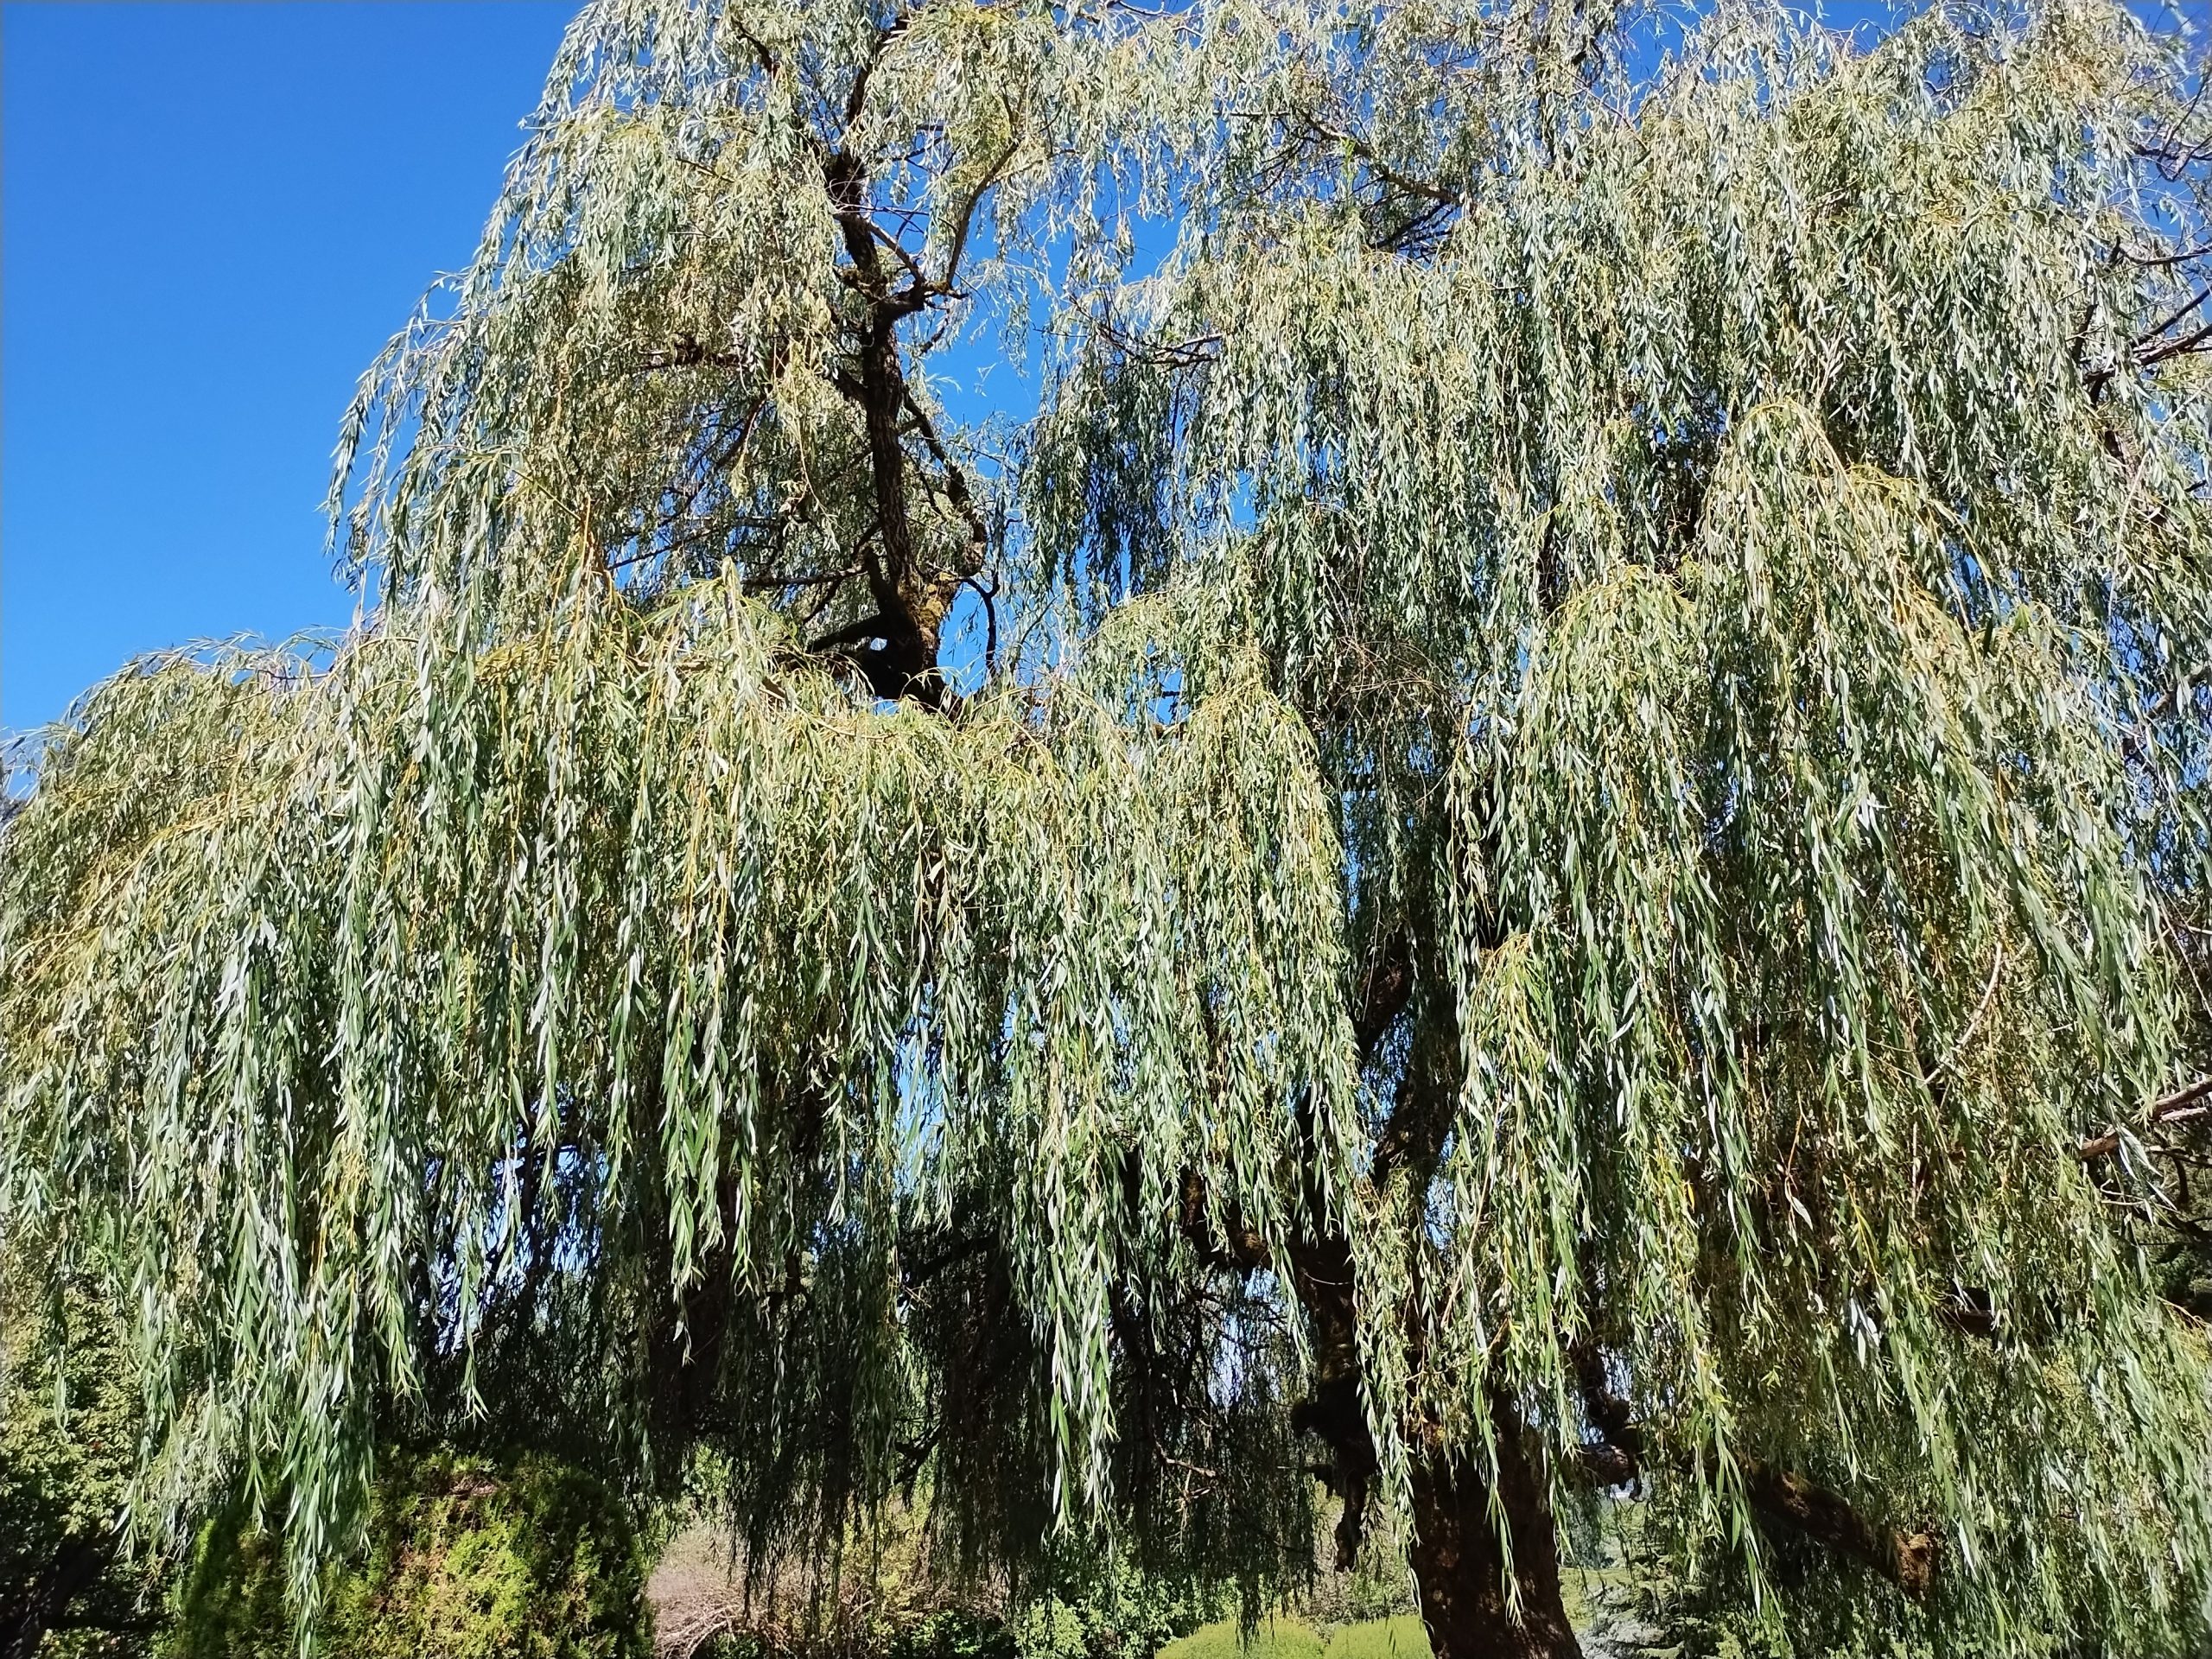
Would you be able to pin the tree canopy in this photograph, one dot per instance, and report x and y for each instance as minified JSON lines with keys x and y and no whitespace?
{"x":1543,"y":829}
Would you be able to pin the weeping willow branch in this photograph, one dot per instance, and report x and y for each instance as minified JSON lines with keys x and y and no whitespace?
{"x":753,"y":977}
{"x":2178,"y":1107}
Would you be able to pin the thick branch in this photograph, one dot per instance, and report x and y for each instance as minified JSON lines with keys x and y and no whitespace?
{"x":1777,"y":1497}
{"x":1382,"y":998}
{"x":1241,"y":1248}
{"x":1421,"y":1116}
{"x":2195,"y":1101}
{"x":1907,"y":1559}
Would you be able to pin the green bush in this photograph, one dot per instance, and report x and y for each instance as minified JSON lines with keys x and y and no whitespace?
{"x":1112,"y":1625}
{"x":894,"y":1593}
{"x":68,"y":1435}
{"x":463,"y":1561}
{"x":1124,"y":1618}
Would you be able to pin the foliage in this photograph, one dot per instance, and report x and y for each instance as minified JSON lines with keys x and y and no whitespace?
{"x":661,"y":1141}
{"x":463,"y":1559}
{"x":1124,"y":1618}
{"x":69,"y":1442}
{"x":1551,"y":855}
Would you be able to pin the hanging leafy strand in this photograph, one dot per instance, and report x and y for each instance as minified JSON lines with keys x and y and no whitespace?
{"x":358,"y":1009}
{"x":1828,"y":954}
{"x":1953,"y":250}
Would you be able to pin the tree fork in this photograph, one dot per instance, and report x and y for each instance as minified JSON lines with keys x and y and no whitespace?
{"x":896,"y":649}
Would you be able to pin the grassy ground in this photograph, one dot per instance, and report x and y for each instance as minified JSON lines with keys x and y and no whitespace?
{"x":1284,"y":1638}
{"x":1403,"y":1637}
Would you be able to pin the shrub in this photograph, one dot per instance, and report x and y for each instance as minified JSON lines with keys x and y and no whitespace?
{"x":69,"y":1437}
{"x":463,"y":1559}
{"x":894,"y":1598}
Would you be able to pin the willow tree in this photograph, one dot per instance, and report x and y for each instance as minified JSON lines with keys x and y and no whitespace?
{"x":1517,"y":843}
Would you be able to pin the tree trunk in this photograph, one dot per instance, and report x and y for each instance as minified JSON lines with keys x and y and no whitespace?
{"x":1460,"y":1562}
{"x":43,"y":1604}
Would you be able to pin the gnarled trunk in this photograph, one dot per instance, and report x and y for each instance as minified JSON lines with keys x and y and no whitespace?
{"x":1458,"y":1557}
{"x":1460,"y":1560}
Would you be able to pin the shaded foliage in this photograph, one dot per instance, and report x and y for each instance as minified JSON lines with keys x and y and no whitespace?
{"x":69,"y":1445}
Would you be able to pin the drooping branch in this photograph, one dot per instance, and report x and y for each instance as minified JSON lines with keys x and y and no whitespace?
{"x":1779,"y":1497}
{"x":2193,"y":1102}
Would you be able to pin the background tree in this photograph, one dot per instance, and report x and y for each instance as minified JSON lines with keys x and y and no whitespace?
{"x":69,"y":1440}
{"x":1526,"y":841}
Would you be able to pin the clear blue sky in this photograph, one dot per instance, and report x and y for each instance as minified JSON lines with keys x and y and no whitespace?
{"x":213,"y":215}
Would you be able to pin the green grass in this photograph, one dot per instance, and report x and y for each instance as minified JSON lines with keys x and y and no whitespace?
{"x":1279,"y":1638}
{"x":1283,"y":1637}
{"x":1403,"y":1637}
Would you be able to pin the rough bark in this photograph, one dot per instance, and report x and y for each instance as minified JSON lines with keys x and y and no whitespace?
{"x":1460,"y":1561}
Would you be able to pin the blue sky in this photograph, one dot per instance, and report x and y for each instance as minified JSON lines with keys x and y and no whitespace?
{"x":213,"y":216}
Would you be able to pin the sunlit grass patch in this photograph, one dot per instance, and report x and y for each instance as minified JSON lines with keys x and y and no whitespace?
{"x":1403,"y":1637}
{"x":1285,"y":1637}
